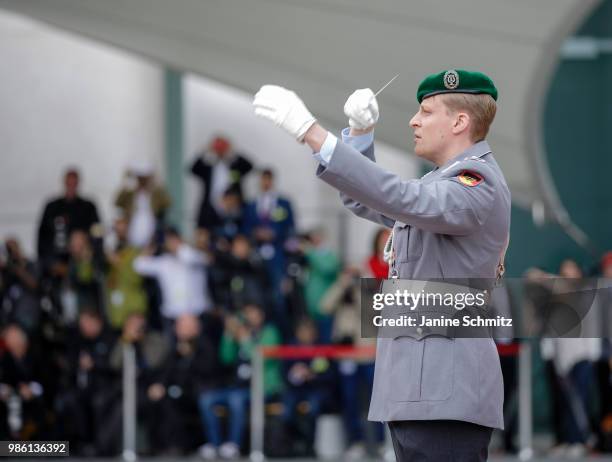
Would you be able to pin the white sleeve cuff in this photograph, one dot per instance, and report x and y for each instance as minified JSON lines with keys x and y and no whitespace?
{"x":359,"y":142}
{"x":325,"y":154}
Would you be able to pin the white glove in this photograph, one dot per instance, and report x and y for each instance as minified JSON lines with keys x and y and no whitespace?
{"x":284,"y":108}
{"x":362,"y":109}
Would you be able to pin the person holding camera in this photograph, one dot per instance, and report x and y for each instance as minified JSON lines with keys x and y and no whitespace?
{"x":242,"y":335}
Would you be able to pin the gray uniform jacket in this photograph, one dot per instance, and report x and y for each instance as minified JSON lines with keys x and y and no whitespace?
{"x":443,"y":228}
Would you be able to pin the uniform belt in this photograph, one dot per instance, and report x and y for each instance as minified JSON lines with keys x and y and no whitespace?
{"x":425,"y":312}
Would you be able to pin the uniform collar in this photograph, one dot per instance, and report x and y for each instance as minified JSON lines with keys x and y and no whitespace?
{"x":476,"y":150}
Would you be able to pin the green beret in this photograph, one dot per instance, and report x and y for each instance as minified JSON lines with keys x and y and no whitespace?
{"x":456,"y":81}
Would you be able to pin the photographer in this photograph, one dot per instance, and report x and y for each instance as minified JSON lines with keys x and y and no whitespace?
{"x":60,"y":218}
{"x":125,"y":289}
{"x":310,"y":380}
{"x":86,"y":268}
{"x":21,"y":392}
{"x":143,"y":202}
{"x":191,"y":366}
{"x":323,"y":268}
{"x":20,"y":301}
{"x":242,"y":335}
{"x":89,"y":386}
{"x":240,"y":276}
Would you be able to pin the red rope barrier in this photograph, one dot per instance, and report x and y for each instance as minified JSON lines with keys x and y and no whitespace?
{"x":508,"y":349}
{"x":311,"y":351}
{"x":346,"y":351}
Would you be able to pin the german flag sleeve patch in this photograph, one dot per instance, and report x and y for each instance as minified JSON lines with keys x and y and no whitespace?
{"x":470,"y":178}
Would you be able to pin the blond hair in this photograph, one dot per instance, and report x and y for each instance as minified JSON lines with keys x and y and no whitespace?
{"x":480,"y":107}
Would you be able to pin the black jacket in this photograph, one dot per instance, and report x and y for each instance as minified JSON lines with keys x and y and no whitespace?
{"x":207,"y":215}
{"x":60,"y":218}
{"x":101,"y":375}
{"x":191,"y":373}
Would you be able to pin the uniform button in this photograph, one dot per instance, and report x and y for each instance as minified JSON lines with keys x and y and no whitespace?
{"x":419,"y":330}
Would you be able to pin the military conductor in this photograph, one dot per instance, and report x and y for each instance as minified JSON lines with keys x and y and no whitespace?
{"x":441,"y":396}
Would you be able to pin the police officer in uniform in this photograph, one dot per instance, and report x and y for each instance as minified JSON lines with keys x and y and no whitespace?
{"x":441,"y":396}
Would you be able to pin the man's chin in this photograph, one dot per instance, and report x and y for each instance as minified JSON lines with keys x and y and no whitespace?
{"x":419,"y":152}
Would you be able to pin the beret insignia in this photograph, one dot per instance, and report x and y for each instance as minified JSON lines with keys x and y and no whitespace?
{"x":451,"y":79}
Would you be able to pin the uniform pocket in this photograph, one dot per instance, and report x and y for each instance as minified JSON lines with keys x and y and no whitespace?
{"x":422,"y":370}
{"x":409,"y":243}
{"x":438,"y":368}
{"x":405,"y":380}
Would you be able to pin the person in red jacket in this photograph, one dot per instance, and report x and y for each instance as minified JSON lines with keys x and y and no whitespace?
{"x":376,"y":265}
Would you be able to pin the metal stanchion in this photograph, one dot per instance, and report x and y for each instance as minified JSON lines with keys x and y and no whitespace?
{"x":257,"y":408}
{"x":129,"y":403}
{"x":525,"y":403}
{"x":389,"y":452}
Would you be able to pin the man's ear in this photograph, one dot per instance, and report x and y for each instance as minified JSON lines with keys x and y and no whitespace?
{"x":462,"y":123}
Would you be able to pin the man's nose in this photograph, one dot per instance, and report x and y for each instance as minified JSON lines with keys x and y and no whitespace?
{"x":414,"y":122}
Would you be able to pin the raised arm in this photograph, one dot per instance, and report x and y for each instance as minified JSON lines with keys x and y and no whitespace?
{"x":354,"y":206}
{"x":449,"y":205}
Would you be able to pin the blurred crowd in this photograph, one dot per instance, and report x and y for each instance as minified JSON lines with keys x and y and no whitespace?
{"x":195,"y":310}
{"x":571,"y":311}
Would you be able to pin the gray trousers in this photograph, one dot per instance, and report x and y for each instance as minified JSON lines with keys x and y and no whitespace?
{"x":439,"y":441}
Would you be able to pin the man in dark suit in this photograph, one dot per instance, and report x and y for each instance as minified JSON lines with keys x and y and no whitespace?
{"x":62,"y":216}
{"x":218,"y":168}
{"x":268,"y":220}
